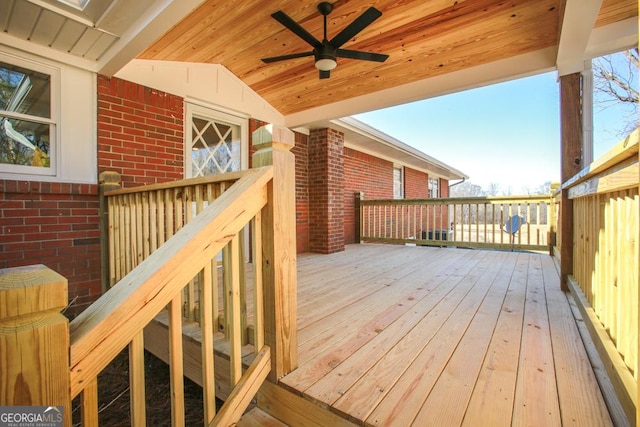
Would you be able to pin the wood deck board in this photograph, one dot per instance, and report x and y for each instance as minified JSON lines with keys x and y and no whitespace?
{"x":354,"y":318}
{"x":450,"y":396}
{"x":362,"y":399}
{"x":400,"y":336}
{"x":536,"y":399}
{"x":405,"y":400}
{"x":391,"y":321}
{"x":346,"y":286}
{"x":351,"y":312}
{"x":493,"y":393}
{"x":452,"y":337}
{"x":577,"y":406}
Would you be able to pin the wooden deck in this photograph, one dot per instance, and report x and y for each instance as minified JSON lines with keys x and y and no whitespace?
{"x":400,"y":336}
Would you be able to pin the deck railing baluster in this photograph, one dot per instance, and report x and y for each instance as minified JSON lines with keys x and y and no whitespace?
{"x":471,"y":222}
{"x":136,"y":381}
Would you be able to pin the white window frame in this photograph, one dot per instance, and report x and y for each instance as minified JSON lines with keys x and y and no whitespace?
{"x":435,"y":180}
{"x":399,"y":186}
{"x":214,"y":113}
{"x":53,"y":121}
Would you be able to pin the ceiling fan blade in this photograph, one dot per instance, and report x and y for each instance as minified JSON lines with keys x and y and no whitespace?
{"x":324,"y":74}
{"x":295,"y":28}
{"x":355,"y":27}
{"x":284,"y":57}
{"x":366,"y":56}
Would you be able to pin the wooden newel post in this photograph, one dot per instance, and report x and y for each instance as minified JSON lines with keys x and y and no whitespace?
{"x":358,"y":216}
{"x":273,"y":145}
{"x":108,"y":181}
{"x":553,"y":219}
{"x":34,"y":339}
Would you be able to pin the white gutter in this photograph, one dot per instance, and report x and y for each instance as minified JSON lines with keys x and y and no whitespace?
{"x":385,"y":139}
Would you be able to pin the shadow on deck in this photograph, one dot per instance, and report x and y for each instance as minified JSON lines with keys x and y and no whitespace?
{"x":395,"y":335}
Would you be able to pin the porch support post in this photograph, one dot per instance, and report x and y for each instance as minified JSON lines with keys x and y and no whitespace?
{"x":358,"y":216}
{"x":326,"y":191}
{"x":638,"y":267}
{"x":273,"y":144}
{"x":108,"y":181}
{"x":34,"y":339}
{"x":571,"y":163}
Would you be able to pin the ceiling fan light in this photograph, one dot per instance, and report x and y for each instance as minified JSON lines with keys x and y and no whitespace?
{"x":326,"y":64}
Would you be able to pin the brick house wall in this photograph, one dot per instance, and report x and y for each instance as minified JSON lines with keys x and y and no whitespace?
{"x":374,"y":177}
{"x":444,"y":188}
{"x":415,"y":184}
{"x":301,"y":151}
{"x":55,"y":224}
{"x":366,"y":173}
{"x":140,"y":132}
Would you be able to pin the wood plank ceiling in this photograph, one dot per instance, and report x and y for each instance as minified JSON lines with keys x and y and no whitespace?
{"x":423,"y":38}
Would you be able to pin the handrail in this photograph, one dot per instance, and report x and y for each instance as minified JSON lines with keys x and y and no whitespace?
{"x":100,"y":332}
{"x":604,"y":275}
{"x":140,"y":219}
{"x":128,"y":313}
{"x":467,"y":221}
{"x":228,"y":177}
{"x":625,"y":149}
{"x":120,"y":315}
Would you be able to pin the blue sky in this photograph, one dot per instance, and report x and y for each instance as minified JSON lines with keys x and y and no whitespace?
{"x":507,"y":133}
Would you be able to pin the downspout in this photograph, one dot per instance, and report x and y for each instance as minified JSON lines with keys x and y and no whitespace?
{"x":456,"y":183}
{"x":449,"y":214}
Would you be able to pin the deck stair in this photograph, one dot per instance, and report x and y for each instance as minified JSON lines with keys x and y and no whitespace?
{"x":256,"y":417}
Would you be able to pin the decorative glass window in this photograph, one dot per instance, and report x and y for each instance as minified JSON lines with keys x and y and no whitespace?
{"x":27,"y":125}
{"x":434,"y":187}
{"x":216,"y":142}
{"x":398,"y":182}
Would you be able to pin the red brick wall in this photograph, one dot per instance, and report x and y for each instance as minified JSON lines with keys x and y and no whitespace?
{"x":55,"y":224}
{"x":326,"y":190}
{"x":363,"y":172}
{"x":444,"y":188}
{"x":415,"y":184}
{"x":300,"y":151}
{"x":140,"y":132}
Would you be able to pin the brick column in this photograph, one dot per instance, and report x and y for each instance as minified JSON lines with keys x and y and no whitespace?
{"x":326,"y":191}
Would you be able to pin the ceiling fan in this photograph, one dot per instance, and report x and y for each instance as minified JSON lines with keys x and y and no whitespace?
{"x":327,"y":51}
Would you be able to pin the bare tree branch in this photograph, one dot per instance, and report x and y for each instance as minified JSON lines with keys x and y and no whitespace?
{"x":616,"y":83}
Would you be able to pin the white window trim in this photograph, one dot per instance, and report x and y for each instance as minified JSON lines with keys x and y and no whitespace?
{"x":437,"y":179}
{"x":29,"y":172}
{"x":401,"y":169}
{"x":192,"y":109}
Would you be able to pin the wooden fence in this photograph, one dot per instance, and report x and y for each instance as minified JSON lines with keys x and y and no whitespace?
{"x":605,"y":260}
{"x":156,"y":282}
{"x":462,"y":222}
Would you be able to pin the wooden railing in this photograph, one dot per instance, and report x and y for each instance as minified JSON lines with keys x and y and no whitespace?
{"x":262,"y":197}
{"x":142,"y":219}
{"x":119,"y":317}
{"x":464,"y":222}
{"x":605,"y":260}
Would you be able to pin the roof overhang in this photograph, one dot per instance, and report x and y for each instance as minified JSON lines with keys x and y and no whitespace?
{"x":435,"y":47}
{"x":367,"y":139}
